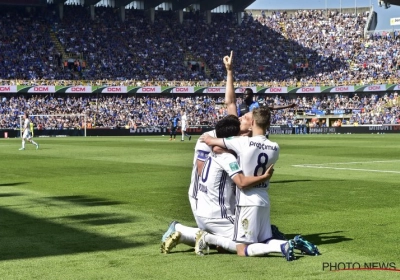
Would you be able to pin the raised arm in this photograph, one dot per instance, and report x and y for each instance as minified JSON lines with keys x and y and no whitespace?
{"x":244,"y":182}
{"x":230,"y":96}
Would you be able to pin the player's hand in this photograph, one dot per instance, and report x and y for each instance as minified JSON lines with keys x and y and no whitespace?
{"x":219,"y":150}
{"x":228,"y":61}
{"x":269,"y":172}
{"x":204,"y":137}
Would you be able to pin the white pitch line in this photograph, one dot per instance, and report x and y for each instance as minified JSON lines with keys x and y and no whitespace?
{"x":156,"y":140}
{"x":351,"y":162}
{"x":351,"y":169}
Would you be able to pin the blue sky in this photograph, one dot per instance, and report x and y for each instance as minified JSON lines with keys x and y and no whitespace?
{"x":384,"y":15}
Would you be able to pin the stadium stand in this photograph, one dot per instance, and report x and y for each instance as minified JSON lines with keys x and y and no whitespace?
{"x":304,"y":48}
{"x":126,"y":111}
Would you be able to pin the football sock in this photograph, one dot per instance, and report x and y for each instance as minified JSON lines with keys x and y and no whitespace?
{"x":221,"y":241}
{"x":33,"y":142}
{"x":23,"y":144}
{"x":261,"y":249}
{"x":188,"y":236}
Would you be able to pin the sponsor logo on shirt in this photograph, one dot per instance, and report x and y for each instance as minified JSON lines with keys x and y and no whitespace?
{"x":234,"y":166}
{"x":262,"y":146}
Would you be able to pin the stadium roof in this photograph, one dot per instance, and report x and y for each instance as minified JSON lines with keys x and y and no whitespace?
{"x":237,"y":5}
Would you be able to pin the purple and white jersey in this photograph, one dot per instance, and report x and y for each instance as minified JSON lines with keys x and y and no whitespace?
{"x":255,"y":154}
{"x":216,"y":195}
{"x":201,"y":151}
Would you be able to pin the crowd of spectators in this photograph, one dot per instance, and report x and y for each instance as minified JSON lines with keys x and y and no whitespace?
{"x":128,"y":111}
{"x":108,"y":111}
{"x":304,"y":48}
{"x":310,"y":47}
{"x":333,"y":48}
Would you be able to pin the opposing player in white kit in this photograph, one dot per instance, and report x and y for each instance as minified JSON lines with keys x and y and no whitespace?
{"x":26,"y":133}
{"x":184,"y":125}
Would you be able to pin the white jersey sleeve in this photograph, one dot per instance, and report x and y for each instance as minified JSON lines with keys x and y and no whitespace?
{"x":202,"y":149}
{"x":216,"y":195}
{"x":255,"y":155}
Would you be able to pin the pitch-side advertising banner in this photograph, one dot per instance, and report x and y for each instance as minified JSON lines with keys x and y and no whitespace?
{"x":75,"y":89}
{"x":196,"y":89}
{"x":276,"y":90}
{"x":182,"y":90}
{"x":8,"y":88}
{"x":342,"y":89}
{"x":36,"y":89}
{"x":372,"y":88}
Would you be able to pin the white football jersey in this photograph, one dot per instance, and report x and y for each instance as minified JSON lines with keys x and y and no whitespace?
{"x":27,"y":125}
{"x":255,"y":154}
{"x":201,"y":151}
{"x":216,"y":194}
{"x":183,"y":120}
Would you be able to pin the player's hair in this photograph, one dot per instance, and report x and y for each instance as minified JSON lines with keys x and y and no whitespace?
{"x":26,"y":115}
{"x":227,"y":126}
{"x":262,"y":117}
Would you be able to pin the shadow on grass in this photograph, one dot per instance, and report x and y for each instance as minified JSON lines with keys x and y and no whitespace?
{"x":97,"y":219}
{"x":13,"y":184}
{"x":10,"y":194}
{"x":23,"y":236}
{"x":324,"y":237}
{"x":182,"y":248}
{"x":214,"y":251}
{"x":85,"y":200}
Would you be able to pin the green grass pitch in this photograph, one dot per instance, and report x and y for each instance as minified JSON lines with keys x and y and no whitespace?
{"x":96,"y":208}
